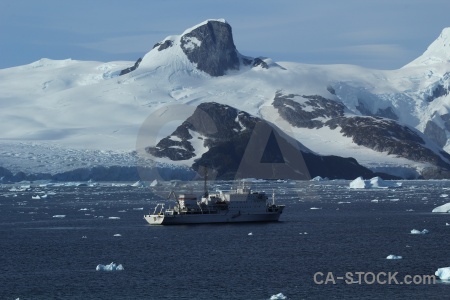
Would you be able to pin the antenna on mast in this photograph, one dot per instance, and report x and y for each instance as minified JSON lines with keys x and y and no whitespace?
{"x":205,"y":185}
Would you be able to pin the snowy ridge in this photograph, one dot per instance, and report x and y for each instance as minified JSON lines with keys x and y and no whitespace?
{"x":437,"y":52}
{"x":84,"y":108}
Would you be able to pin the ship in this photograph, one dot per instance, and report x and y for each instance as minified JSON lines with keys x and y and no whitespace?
{"x":235,"y":206}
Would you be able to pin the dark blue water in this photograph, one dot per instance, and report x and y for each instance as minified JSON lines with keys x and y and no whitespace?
{"x":44,"y":257}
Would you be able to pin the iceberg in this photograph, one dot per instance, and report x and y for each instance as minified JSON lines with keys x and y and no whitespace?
{"x":442,"y":209}
{"x":374,"y":183}
{"x":415,"y":231}
{"x":318,"y":178}
{"x":358,"y":183}
{"x":443,"y":273}
{"x":278,"y":296}
{"x":139,"y":184}
{"x":392,"y":256}
{"x":111,"y":267}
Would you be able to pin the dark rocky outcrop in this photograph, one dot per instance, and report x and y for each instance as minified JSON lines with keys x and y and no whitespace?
{"x":374,"y":132}
{"x":130,"y":69}
{"x":240,"y":145}
{"x":163,"y":45}
{"x":211,"y":47}
{"x":259,"y":62}
{"x":388,"y":136}
{"x":304,"y":115}
{"x":437,"y":92}
{"x":436,"y":133}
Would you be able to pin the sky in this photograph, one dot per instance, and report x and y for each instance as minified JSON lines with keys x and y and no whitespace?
{"x":377,"y":34}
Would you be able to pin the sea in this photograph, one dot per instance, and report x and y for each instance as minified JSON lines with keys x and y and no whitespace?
{"x":332,"y":242}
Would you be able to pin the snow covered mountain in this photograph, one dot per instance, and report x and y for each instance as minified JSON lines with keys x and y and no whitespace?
{"x":59,"y":116}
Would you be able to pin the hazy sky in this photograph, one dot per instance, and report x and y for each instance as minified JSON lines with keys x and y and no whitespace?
{"x":380,"y":34}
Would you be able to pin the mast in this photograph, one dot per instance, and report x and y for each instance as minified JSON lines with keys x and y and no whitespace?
{"x":205,"y":184}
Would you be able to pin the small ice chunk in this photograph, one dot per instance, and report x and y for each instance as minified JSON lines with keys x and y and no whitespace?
{"x":442,"y":209}
{"x":316,"y":208}
{"x":117,"y":234}
{"x":392,"y":256}
{"x":111,"y":267}
{"x":443,"y":273}
{"x":59,"y":216}
{"x":37,"y":197}
{"x":278,"y":296}
{"x":114,"y":218}
{"x":250,"y":233}
{"x":415,"y":231}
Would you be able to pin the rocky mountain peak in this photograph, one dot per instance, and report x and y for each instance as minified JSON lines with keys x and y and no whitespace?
{"x":210,"y":45}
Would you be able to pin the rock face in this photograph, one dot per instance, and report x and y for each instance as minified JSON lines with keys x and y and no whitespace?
{"x":130,"y":69}
{"x":239,"y":145}
{"x":377,"y":133}
{"x":211,"y":47}
{"x":305,"y":111}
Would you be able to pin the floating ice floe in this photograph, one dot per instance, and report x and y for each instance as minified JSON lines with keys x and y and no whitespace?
{"x":254,"y":180}
{"x":117,"y":234}
{"x":316,"y":208}
{"x":114,"y":218}
{"x":140,"y":183}
{"x":374,"y":183}
{"x":392,"y":256}
{"x":59,"y":216}
{"x":318,"y":178}
{"x":37,"y":197}
{"x":443,"y":273}
{"x":278,"y":296}
{"x":111,"y":267}
{"x":442,"y":209}
{"x":415,"y":231}
{"x":250,"y":233}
